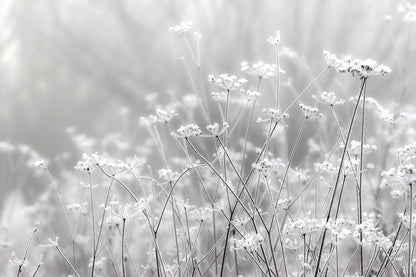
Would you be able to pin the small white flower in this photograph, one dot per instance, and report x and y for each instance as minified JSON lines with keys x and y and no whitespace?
{"x":227,"y":82}
{"x":310,"y":112}
{"x":168,"y":174}
{"x":41,"y":164}
{"x":187,"y":131}
{"x":251,"y":242}
{"x":252,"y":95}
{"x":328,"y":98}
{"x":361,"y":68}
{"x":181,"y":28}
{"x":214,"y":129}
{"x":259,"y":69}
{"x":274,"y":40}
{"x":272,"y":114}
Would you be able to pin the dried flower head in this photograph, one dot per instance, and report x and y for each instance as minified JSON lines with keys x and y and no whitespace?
{"x":227,"y":82}
{"x":187,"y":131}
{"x":310,"y":112}
{"x":361,"y":68}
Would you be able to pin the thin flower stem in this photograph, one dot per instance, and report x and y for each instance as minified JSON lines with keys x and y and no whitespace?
{"x":409,"y":262}
{"x":359,"y":198}
{"x":19,"y":270}
{"x":123,"y":266}
{"x":338,"y":176}
{"x":292,"y":155}
{"x":67,"y":261}
{"x":93,"y":220}
{"x":102,"y":222}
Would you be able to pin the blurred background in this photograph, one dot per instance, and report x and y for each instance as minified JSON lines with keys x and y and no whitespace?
{"x":99,"y":65}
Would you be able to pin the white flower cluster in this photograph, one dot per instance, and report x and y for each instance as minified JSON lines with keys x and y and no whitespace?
{"x":274,"y":40}
{"x":88,"y":163}
{"x":361,"y":68}
{"x":325,"y":166}
{"x":408,"y":152}
{"x":284,"y":203}
{"x":168,"y":174}
{"x":406,"y":220}
{"x":162,"y":116}
{"x":187,"y":131}
{"x":355,"y":148}
{"x":328,"y":98}
{"x":125,"y":212}
{"x":251,"y":242}
{"x":370,"y":233}
{"x":303,"y":226}
{"x":409,"y":11}
{"x":272,"y":114}
{"x":399,"y":179}
{"x":339,"y":229}
{"x":310,"y":112}
{"x":227,"y":82}
{"x":252,"y":95}
{"x":181,"y":28}
{"x":219,"y":97}
{"x":201,"y":214}
{"x":215,"y":130}
{"x":266,"y":167}
{"x":259,"y":69}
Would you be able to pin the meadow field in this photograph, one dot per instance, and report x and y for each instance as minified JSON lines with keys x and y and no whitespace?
{"x":207,"y":138}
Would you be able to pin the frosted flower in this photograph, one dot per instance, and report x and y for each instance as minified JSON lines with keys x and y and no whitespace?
{"x":408,"y":151}
{"x":187,"y":131}
{"x":181,"y":28}
{"x":86,"y":164}
{"x":41,"y":164}
{"x":252,"y":95}
{"x":284,"y":203}
{"x":259,"y":69}
{"x":227,"y":82}
{"x":339,"y":229}
{"x":291,"y":244}
{"x":215,"y":130}
{"x":303,"y":226}
{"x":325,"y":166}
{"x":201,"y":214}
{"x":168,"y":174}
{"x":251,"y":242}
{"x":355,"y":148}
{"x":125,"y":212}
{"x":406,"y":220}
{"x":399,"y":179}
{"x":241,"y":221}
{"x":165,"y":115}
{"x":272,"y":114}
{"x":370,"y":233}
{"x":219,"y":97}
{"x":361,"y":68}
{"x":310,"y":112}
{"x":52,"y":243}
{"x":328,"y":98}
{"x":274,"y":40}
{"x":267,"y":166}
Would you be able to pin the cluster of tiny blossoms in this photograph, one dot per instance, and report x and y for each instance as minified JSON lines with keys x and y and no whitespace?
{"x":310,"y":112}
{"x":259,"y":69}
{"x":361,"y":68}
{"x":227,"y":82}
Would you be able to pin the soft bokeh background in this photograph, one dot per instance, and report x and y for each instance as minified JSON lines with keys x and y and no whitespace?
{"x":86,"y":63}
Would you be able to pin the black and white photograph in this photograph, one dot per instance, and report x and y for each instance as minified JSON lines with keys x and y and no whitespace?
{"x":205,"y":138}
